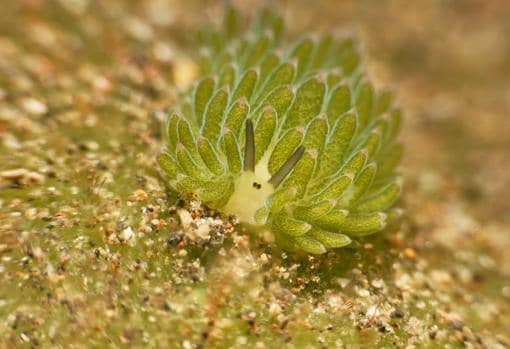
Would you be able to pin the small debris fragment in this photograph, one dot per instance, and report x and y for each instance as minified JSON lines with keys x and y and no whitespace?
{"x":126,"y":235}
{"x":410,"y":253}
{"x":34,"y":106}
{"x":21,"y":177}
{"x":138,"y":196}
{"x":397,"y":314}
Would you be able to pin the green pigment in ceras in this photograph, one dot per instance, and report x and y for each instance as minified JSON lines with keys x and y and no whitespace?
{"x":290,"y":137}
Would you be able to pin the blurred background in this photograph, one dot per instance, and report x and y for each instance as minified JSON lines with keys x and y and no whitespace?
{"x":84,"y":86}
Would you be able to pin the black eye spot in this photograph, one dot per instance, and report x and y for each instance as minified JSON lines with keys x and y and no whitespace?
{"x":257,"y":185}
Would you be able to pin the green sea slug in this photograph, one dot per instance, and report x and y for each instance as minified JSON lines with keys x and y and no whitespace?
{"x":290,"y":137}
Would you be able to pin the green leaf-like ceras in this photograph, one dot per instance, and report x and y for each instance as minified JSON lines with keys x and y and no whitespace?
{"x":291,"y":137}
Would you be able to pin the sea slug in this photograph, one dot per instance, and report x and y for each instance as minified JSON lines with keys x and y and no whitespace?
{"x":291,"y":137}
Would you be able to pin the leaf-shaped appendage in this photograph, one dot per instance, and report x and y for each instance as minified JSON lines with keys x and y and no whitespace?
{"x":291,"y":137}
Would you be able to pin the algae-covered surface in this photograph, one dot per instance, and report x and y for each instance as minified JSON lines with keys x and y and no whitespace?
{"x":95,"y":252}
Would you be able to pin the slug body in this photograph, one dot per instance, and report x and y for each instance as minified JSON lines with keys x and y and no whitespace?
{"x":293,"y":138}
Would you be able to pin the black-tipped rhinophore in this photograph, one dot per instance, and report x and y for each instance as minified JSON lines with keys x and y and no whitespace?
{"x":280,"y":175}
{"x":249,"y":148}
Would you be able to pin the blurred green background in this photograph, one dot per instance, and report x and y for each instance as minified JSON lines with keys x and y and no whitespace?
{"x":93,"y":253}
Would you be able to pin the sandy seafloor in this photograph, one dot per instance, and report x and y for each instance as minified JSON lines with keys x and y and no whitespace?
{"x":94,"y":253}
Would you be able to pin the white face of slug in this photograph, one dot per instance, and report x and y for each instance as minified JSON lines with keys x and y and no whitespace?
{"x":251,"y":190}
